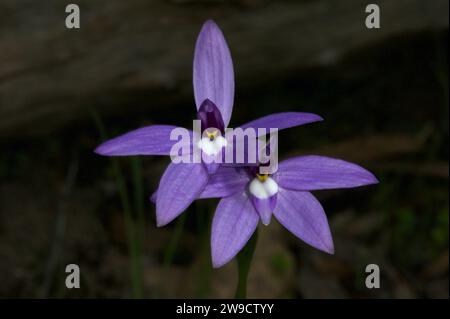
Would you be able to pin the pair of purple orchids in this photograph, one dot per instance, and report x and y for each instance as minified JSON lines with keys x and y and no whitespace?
{"x":246,"y":196}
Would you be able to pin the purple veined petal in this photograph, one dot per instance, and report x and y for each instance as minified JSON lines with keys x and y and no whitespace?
{"x":148,"y":140}
{"x":180,"y":185}
{"x":211,"y":168}
{"x":225,"y":182}
{"x":213,"y":75}
{"x":211,"y":162}
{"x":319,"y":172}
{"x":264,"y":207}
{"x":302,"y":214}
{"x":234,"y":222}
{"x":281,"y":121}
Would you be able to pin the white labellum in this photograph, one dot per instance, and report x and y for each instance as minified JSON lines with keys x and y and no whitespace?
{"x":212,"y":147}
{"x":263,"y":190}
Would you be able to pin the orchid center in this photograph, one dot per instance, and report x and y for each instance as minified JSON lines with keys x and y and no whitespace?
{"x":262,"y":177}
{"x":212,"y":135}
{"x":263,"y":186}
{"x":212,"y":142}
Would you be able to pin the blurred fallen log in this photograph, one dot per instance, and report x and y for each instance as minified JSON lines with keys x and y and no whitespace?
{"x":372,"y":148}
{"x":136,"y":54}
{"x":430,"y":169}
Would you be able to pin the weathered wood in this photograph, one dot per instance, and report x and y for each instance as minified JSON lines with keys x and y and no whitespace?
{"x":138,"y":53}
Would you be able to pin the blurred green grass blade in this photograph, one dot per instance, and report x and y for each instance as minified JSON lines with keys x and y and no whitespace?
{"x":133,"y":246}
{"x":174,"y":240}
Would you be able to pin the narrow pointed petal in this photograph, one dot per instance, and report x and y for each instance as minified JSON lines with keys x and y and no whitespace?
{"x":213,"y":76}
{"x":302,"y":214}
{"x":320,"y":172}
{"x":180,"y":185}
{"x":264,"y":207}
{"x":225,"y":182}
{"x":281,"y":121}
{"x":149,"y":140}
{"x":234,"y":222}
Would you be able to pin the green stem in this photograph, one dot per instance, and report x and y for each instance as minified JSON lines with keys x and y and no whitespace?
{"x":244,"y":259}
{"x":204,"y":270}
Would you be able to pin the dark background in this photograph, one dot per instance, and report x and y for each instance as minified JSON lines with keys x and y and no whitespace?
{"x":383,"y":94}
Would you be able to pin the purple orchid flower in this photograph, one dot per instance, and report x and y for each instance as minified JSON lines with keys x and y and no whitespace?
{"x":248,"y":197}
{"x":213,"y":80}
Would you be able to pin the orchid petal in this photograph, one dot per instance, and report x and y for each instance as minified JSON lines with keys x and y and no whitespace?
{"x":302,"y":214}
{"x":225,"y":182}
{"x":281,"y":121}
{"x":320,"y":172}
{"x":212,"y":162}
{"x":211,"y":168}
{"x":264,"y":207}
{"x":234,"y":222}
{"x":149,"y":140}
{"x":180,"y":185}
{"x":213,"y":76}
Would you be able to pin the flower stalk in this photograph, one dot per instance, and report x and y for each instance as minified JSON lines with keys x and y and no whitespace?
{"x":244,"y":259}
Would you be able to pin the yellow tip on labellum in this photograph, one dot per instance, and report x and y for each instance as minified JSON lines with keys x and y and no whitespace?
{"x":212,"y":135}
{"x":263,"y":177}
